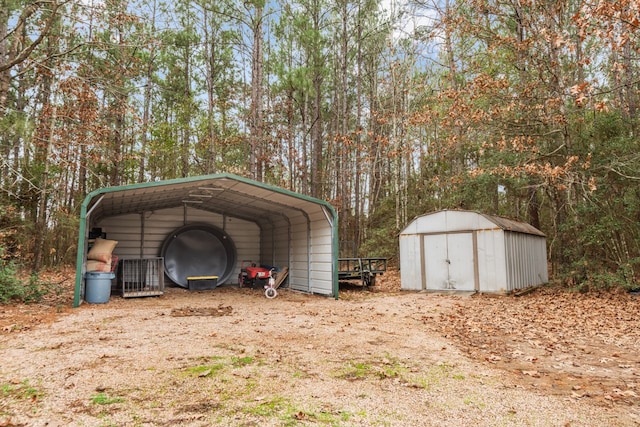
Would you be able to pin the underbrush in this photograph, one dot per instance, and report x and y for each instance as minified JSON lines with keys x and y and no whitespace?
{"x":14,"y":289}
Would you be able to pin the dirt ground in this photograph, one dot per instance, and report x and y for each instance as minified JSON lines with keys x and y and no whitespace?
{"x":377,"y":356}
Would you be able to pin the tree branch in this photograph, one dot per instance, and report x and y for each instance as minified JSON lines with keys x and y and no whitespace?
{"x":26,"y":14}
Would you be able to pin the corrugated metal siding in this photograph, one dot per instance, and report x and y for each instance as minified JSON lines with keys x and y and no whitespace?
{"x":526,"y":259}
{"x":127,"y":230}
{"x":276,"y":248}
{"x":299,"y":265}
{"x":322,"y":261}
{"x":282,"y":220}
{"x":410,"y":263}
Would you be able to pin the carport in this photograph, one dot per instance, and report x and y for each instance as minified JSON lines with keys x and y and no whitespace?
{"x":266,"y":224}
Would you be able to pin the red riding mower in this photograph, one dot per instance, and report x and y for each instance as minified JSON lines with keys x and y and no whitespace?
{"x":250,"y":272}
{"x":252,"y":275}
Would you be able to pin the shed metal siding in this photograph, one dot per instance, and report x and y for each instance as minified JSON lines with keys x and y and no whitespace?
{"x":127,"y":230}
{"x":491,"y":261}
{"x":411,"y":262}
{"x":526,"y":258}
{"x":299,"y":265}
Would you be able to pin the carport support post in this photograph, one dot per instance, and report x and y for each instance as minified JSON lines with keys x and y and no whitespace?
{"x":336,"y":247}
{"x":82,"y":250}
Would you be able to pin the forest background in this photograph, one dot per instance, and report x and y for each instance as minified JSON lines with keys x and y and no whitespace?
{"x":389,"y":110}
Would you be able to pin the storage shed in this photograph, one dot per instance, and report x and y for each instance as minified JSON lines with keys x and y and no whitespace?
{"x":470,"y":251}
{"x":234,"y":218}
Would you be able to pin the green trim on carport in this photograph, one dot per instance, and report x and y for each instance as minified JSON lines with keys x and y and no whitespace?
{"x":85,"y":204}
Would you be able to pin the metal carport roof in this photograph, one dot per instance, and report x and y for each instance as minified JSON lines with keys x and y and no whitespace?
{"x":225,"y":194}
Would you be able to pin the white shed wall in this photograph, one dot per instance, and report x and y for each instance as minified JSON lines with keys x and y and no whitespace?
{"x":127,"y":230}
{"x":448,"y":221}
{"x":275,"y":249}
{"x":321,"y":268}
{"x":411,"y":269}
{"x":299,"y":264}
{"x":492,"y":271}
{"x":526,"y":260}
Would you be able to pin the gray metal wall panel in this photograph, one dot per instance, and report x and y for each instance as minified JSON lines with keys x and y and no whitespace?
{"x":299,"y":264}
{"x":491,"y":261}
{"x":127,"y":230}
{"x":410,"y":262}
{"x":526,"y":258}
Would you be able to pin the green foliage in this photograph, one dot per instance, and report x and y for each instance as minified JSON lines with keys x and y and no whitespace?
{"x":13,"y":289}
{"x":382,"y":235}
{"x":600,"y":240}
{"x":13,"y":239}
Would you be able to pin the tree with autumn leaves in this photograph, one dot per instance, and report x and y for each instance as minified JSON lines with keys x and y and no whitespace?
{"x":519,"y":108}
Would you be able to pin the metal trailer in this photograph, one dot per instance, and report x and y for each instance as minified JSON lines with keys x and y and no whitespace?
{"x":362,"y":269}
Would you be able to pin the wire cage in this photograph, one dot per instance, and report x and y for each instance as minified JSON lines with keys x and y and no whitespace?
{"x":141,"y":277}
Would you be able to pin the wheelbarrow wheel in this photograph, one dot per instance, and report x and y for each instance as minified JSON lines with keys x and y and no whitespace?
{"x":270,"y":293}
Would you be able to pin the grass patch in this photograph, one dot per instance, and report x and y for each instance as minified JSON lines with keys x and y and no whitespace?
{"x":434,"y":376}
{"x":388,"y":367}
{"x":288,"y":414}
{"x":272,"y":407}
{"x":105,"y":399}
{"x":205,"y":370}
{"x":241,"y":361}
{"x":391,"y":368}
{"x":221,"y":364}
{"x":381,"y":368}
{"x":21,"y":391}
{"x":355,"y":371}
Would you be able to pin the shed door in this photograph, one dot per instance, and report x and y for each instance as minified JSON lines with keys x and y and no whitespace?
{"x":449,"y":261}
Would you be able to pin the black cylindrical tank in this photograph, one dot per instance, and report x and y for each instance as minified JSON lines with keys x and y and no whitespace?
{"x":198,"y":250}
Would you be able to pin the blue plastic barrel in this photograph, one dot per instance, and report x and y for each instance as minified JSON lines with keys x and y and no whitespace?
{"x":98,"y":287}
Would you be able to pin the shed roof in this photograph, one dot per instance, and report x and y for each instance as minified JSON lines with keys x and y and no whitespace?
{"x":220,"y":193}
{"x":513,"y":225}
{"x":458,"y":220}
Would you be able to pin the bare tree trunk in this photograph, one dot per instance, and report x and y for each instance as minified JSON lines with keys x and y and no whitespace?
{"x":342,"y":156}
{"x":147,"y":104}
{"x":5,"y":83}
{"x":41,"y":221}
{"x":5,"y":76}
{"x":451,"y":61}
{"x":630,"y":86}
{"x":257,"y":130}
{"x":316,"y":114}
{"x":186,"y":136}
{"x":305,"y":146}
{"x":210,"y":56}
{"x":358,"y":139}
{"x":375,"y":155}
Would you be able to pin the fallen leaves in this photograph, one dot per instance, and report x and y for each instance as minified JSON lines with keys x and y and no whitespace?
{"x":589,"y":341}
{"x":202,"y":311}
